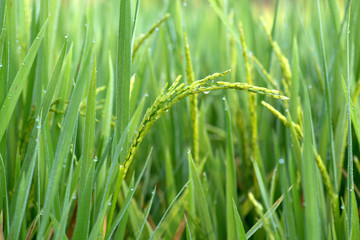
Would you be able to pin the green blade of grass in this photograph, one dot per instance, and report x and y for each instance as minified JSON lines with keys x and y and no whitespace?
{"x":350,"y":163}
{"x":65,"y":135}
{"x":2,"y":11}
{"x":265,"y":196}
{"x":42,"y":66}
{"x":240,"y":232}
{"x":127,"y":202}
{"x":29,"y":160}
{"x":312,"y":214}
{"x":3,"y":78}
{"x":108,"y":106}
{"x":170,"y":181}
{"x":135,"y":22}
{"x":273,"y":32}
{"x":188,"y":233}
{"x":265,"y":217}
{"x":18,"y":84}
{"x":290,"y":225}
{"x":141,"y":40}
{"x":120,"y":152}
{"x":123,"y":68}
{"x":67,"y":202}
{"x":83,"y":214}
{"x":200,"y":201}
{"x":146,"y":214}
{"x":294,"y":92}
{"x":86,"y":176}
{"x":168,"y":209}
{"x":225,"y":21}
{"x":172,"y":220}
{"x":190,"y":204}
{"x":96,"y":229}
{"x":23,"y":187}
{"x":327,"y":99}
{"x":355,"y":229}
{"x":230,"y":177}
{"x":54,"y":82}
{"x":119,"y":149}
{"x":4,"y":199}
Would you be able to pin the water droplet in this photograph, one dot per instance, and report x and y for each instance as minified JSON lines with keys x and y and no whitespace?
{"x":186,"y":185}
{"x":44,"y":91}
{"x":224,"y":98}
{"x":281,"y":161}
{"x":146,"y":95}
{"x":37,"y":119}
{"x":206,"y":92}
{"x":95,"y":159}
{"x":109,"y":203}
{"x":23,"y":64}
{"x":185,"y":4}
{"x":85,"y":24}
{"x":167,"y":110}
{"x":342,"y":207}
{"x":38,"y":126}
{"x":36,"y":140}
{"x":157,"y":29}
{"x":122,"y":149}
{"x":37,"y":37}
{"x":132,"y":189}
{"x":66,"y":37}
{"x":0,"y":65}
{"x":74,"y":197}
{"x":94,"y":41}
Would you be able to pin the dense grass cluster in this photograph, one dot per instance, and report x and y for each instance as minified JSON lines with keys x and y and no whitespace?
{"x":106,"y":133}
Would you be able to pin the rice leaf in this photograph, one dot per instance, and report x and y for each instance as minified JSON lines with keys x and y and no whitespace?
{"x":327,"y":98}
{"x":200,"y":201}
{"x":87,"y":164}
{"x":240,"y":232}
{"x":4,"y":198}
{"x":65,"y":135}
{"x":167,"y":210}
{"x":146,"y":214}
{"x":127,"y":202}
{"x":230,"y":177}
{"x":355,"y":229}
{"x":123,"y":69}
{"x":19,"y":82}
{"x":265,"y":217}
{"x":312,"y":214}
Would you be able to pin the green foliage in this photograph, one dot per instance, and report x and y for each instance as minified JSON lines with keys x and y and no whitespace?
{"x":104,"y":105}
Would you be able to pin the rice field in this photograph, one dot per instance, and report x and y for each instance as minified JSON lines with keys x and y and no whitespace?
{"x":178,"y":119}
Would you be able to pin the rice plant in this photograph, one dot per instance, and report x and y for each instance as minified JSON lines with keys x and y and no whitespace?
{"x":209,"y":119}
